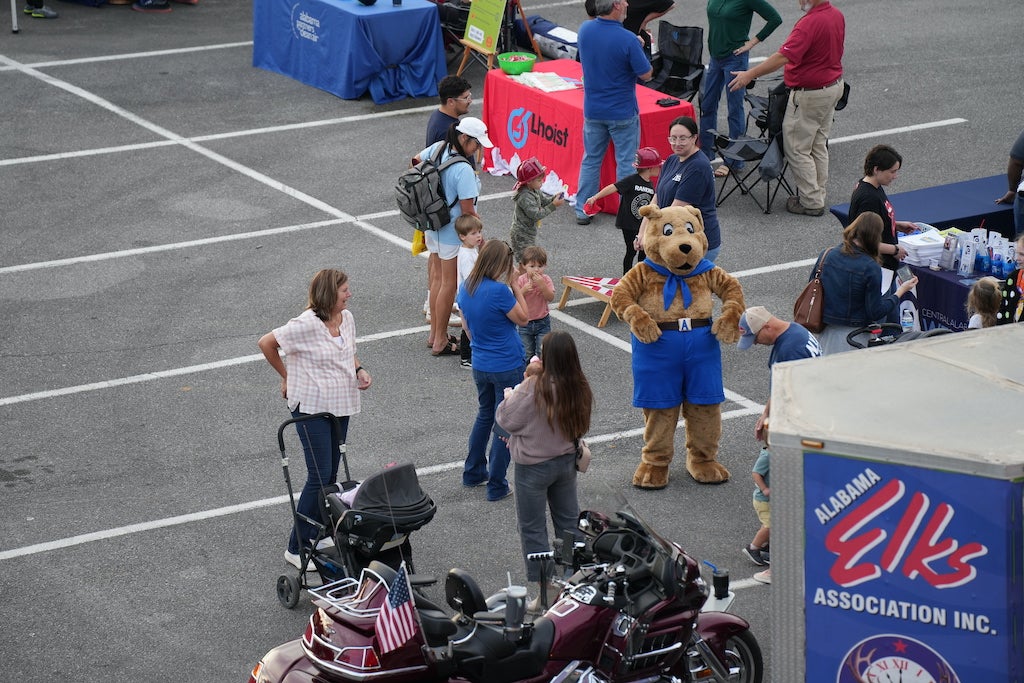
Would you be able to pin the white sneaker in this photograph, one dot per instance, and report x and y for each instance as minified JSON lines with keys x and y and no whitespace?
{"x":293,"y":560}
{"x":763,"y":577}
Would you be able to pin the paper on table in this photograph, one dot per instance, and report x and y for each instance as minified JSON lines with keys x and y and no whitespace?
{"x":542,"y":80}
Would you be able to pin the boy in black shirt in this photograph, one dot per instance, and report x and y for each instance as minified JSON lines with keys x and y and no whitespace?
{"x":635,"y":190}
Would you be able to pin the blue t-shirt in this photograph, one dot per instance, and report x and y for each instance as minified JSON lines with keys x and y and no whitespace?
{"x":793,"y":344}
{"x":691,"y":181}
{"x":460,"y":182}
{"x":762,"y":466}
{"x":494,"y":338}
{"x":612,"y":60}
{"x":438,"y":125}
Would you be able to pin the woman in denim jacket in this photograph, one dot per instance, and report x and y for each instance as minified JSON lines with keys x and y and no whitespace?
{"x":852,"y":279}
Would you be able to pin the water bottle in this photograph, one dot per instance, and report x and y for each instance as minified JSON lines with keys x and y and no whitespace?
{"x":907,"y":320}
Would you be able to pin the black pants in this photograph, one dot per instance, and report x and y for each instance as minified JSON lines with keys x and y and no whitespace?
{"x":464,"y":350}
{"x":627,"y":262}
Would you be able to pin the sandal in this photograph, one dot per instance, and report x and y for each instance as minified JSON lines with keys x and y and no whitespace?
{"x":722,"y":171}
{"x":450,"y":349}
{"x":452,"y":339}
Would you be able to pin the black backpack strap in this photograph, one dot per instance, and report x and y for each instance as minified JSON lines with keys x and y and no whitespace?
{"x":450,"y":161}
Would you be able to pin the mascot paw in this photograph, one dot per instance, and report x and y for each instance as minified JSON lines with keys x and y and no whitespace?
{"x":648,"y":332}
{"x":705,"y":473}
{"x":651,"y":477}
{"x":725,"y":332}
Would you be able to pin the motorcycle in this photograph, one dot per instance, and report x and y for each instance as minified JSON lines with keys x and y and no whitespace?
{"x":634,"y":610}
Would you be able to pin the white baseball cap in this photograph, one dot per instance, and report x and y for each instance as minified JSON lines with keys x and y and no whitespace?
{"x":475,"y":128}
{"x":751,"y":322}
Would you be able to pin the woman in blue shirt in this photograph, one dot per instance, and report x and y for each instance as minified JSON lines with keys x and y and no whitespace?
{"x":492,"y":306}
{"x":687,"y":179}
{"x":851,"y":276}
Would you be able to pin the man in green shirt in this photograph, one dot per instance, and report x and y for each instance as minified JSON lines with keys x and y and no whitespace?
{"x":729,"y":45}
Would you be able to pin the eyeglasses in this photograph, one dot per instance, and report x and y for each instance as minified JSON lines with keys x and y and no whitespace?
{"x":672,"y":139}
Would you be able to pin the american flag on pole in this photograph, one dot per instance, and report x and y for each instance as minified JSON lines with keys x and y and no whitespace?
{"x":396,"y":622}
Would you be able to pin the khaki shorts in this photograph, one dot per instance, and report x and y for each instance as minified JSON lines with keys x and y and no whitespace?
{"x":764,"y":513}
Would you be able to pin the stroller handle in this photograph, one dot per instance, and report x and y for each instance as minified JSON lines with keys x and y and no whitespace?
{"x":335,"y":433}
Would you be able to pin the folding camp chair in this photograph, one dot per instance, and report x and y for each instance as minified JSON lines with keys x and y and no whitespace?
{"x":678,"y":66}
{"x":753,"y":151}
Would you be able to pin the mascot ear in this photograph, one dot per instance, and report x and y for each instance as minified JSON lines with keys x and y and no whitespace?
{"x":650,"y":210}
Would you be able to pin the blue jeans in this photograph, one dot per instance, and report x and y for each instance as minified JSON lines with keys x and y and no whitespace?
{"x":712,"y":254}
{"x":322,"y":460}
{"x":597,"y":133}
{"x":552,"y":482}
{"x":532,"y":334}
{"x":490,"y":391}
{"x":716,"y":78}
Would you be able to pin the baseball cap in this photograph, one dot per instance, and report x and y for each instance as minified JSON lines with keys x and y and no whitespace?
{"x":475,"y":128}
{"x":751,"y":322}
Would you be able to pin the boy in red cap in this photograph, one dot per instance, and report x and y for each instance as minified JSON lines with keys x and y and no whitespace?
{"x":636,"y":190}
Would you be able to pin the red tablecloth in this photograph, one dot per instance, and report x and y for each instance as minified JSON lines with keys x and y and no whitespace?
{"x":529,"y":122}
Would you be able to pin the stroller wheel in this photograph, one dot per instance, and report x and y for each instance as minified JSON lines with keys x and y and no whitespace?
{"x":288,"y":590}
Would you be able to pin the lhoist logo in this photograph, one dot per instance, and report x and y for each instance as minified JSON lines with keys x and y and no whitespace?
{"x":519,"y":127}
{"x":523,"y":123}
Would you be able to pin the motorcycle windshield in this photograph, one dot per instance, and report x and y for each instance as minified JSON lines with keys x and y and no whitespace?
{"x":610,"y":505}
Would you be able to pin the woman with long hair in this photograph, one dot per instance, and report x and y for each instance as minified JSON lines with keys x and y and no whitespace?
{"x":322,"y":375}
{"x":852,"y":281}
{"x":546,"y":416}
{"x":492,"y":306}
{"x":461,"y":188}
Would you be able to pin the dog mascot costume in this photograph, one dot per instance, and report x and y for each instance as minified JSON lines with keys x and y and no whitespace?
{"x":677,"y":361}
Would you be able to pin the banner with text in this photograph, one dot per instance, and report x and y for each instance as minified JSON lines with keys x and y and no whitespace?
{"x":911,"y":574}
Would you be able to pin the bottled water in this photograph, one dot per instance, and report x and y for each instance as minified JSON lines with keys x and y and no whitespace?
{"x":907,"y":320}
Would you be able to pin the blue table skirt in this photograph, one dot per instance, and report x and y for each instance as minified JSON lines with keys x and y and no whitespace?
{"x":960,"y":205}
{"x":347,"y":48}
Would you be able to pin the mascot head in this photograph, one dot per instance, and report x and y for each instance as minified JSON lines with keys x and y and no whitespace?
{"x":674,"y":237}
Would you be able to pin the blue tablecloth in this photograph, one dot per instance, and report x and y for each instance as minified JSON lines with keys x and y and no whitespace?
{"x":957,"y":205}
{"x":347,"y":48}
{"x":941,"y":298}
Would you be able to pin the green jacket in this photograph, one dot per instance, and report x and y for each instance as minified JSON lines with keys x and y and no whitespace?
{"x":729,"y":24}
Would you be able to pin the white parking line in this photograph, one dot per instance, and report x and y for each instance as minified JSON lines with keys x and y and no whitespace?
{"x":142,"y":527}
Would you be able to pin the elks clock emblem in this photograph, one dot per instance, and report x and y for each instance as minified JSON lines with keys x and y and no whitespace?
{"x":892,"y":658}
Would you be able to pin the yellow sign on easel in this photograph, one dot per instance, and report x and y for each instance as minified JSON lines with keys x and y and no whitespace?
{"x":483,"y":25}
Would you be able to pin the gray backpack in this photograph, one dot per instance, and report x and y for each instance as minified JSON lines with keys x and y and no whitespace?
{"x":420,"y":194}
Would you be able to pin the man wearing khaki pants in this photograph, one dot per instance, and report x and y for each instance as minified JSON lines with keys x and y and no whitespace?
{"x":812,"y":56}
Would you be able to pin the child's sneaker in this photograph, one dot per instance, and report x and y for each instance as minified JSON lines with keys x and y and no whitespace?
{"x":152,"y":6}
{"x":755,"y":555}
{"x":43,"y":12}
{"x":764,"y":577}
{"x":467,"y":363}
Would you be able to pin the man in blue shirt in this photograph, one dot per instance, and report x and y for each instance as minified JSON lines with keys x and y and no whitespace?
{"x":789,"y":341}
{"x":612,"y":60}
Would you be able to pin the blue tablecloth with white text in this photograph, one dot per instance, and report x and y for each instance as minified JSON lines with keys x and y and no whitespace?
{"x":347,"y":48}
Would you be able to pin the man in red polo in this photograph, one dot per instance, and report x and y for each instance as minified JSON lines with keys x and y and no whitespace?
{"x":812,"y":56}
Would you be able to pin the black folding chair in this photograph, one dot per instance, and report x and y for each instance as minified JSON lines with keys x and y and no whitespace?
{"x":679,"y":65}
{"x":752,"y":151}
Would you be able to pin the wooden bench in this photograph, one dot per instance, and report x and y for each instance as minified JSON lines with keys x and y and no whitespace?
{"x":599,"y":288}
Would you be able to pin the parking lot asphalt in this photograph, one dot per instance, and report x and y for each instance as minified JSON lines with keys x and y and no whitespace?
{"x":164,"y":204}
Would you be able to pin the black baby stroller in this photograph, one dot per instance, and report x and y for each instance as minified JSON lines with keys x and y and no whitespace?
{"x":359,"y":522}
{"x":882,"y":334}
